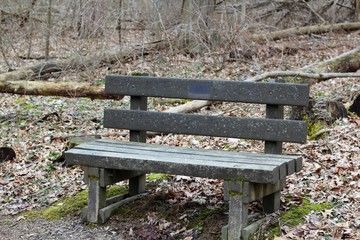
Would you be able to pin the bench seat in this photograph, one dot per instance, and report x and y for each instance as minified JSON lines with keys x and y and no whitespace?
{"x":134,"y":156}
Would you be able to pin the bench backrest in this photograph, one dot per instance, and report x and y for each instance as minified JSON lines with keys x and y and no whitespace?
{"x":273,"y":129}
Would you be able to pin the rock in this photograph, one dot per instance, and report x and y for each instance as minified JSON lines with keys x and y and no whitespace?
{"x":6,"y":154}
{"x":355,"y":107}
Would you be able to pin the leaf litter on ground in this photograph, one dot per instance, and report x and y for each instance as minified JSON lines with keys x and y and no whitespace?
{"x":36,"y":128}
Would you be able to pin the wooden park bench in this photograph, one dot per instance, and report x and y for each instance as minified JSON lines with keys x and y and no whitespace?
{"x":247,"y":176}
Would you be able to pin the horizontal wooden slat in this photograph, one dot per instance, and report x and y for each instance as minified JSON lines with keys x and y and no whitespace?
{"x":179,"y":156}
{"x":291,"y":160}
{"x":247,"y":128}
{"x":215,"y":90}
{"x":174,"y":160}
{"x":191,"y":166}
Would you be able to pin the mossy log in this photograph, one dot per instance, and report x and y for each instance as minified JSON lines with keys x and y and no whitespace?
{"x":343,"y":65}
{"x":315,"y":29}
{"x":346,"y":62}
{"x":65,"y":89}
{"x":328,"y":111}
{"x":319,"y":114}
{"x":27,"y":80}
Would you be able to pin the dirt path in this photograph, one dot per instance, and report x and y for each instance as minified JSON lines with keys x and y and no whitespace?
{"x":69,"y":228}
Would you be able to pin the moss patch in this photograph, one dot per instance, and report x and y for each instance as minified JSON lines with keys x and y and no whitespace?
{"x":313,"y":127}
{"x":293,"y":217}
{"x":157,"y":177}
{"x":199,"y":221}
{"x":296,"y":214}
{"x":272,"y":232}
{"x":71,"y":205}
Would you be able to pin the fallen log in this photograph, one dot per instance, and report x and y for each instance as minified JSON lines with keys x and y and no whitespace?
{"x":316,"y":29}
{"x":78,"y":63}
{"x":65,"y":89}
{"x":22,"y":81}
{"x":189,"y":106}
{"x":319,"y":115}
{"x":346,"y":62}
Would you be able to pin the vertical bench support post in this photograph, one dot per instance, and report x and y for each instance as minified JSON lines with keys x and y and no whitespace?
{"x":96,"y":195}
{"x":238,"y":209}
{"x":137,"y":184}
{"x":271,"y":203}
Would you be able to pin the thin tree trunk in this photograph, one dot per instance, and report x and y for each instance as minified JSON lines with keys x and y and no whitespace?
{"x":119,"y":21}
{"x":48,"y":32}
{"x":91,"y":13}
{"x":357,"y":10}
{"x":2,"y":50}
{"x":31,"y":28}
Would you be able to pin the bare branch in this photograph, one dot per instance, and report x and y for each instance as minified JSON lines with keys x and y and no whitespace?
{"x":295,"y":74}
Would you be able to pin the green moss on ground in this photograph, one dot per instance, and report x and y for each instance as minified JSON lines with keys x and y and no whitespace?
{"x":71,"y":205}
{"x":293,"y":217}
{"x":157,"y":177}
{"x":272,"y":232}
{"x":199,"y":221}
{"x":296,"y":214}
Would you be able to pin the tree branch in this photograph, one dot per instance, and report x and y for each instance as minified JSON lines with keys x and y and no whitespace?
{"x":295,"y":74}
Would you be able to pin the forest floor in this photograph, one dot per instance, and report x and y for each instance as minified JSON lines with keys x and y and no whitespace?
{"x":326,"y":191}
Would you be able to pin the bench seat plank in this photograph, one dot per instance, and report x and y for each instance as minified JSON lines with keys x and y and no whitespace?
{"x":172,"y":162}
{"x":291,"y":161}
{"x":221,"y":126}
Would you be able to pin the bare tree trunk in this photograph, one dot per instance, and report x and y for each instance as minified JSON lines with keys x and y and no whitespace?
{"x":90,"y":18}
{"x":119,"y":20}
{"x":30,"y":19}
{"x":48,"y":31}
{"x":198,"y":33}
{"x":2,"y":50}
{"x":357,"y":10}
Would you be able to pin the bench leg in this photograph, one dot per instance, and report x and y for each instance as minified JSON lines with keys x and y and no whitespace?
{"x":238,"y":210}
{"x":271,"y":203}
{"x":97,"y":195}
{"x":137,"y":185}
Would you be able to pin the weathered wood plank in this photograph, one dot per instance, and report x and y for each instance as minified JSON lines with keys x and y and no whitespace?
{"x":215,"y":90}
{"x":190,"y":154}
{"x":201,"y":154}
{"x":286,"y":165}
{"x":221,"y":126}
{"x":209,"y":169}
{"x":185,"y":150}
